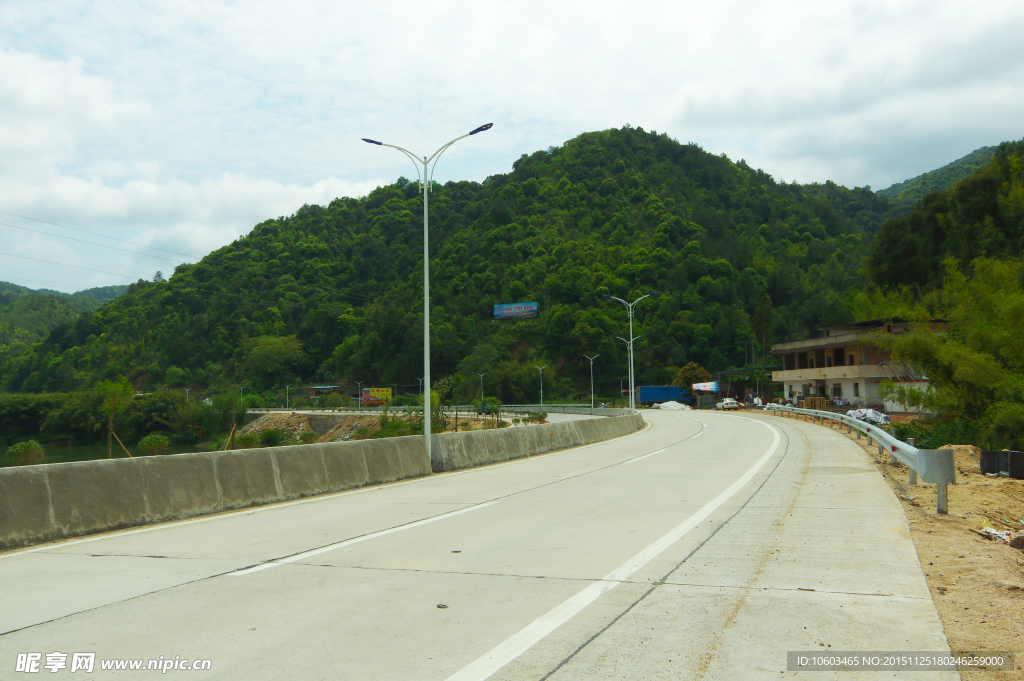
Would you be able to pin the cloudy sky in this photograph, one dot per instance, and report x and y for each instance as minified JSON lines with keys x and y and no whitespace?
{"x":167,"y":129}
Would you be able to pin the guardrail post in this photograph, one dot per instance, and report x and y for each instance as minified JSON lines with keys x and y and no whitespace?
{"x":913,"y":474}
{"x":941,"y":500}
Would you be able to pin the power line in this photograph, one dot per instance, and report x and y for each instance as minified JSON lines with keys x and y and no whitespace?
{"x":104,"y":236}
{"x":91,"y":243}
{"x":62,"y":264}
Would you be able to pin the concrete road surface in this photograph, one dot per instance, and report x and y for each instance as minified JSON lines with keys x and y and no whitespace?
{"x":704,"y":547}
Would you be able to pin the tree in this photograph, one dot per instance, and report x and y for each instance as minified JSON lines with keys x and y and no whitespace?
{"x":763,"y":317}
{"x":976,"y":367}
{"x":690,"y":374}
{"x":115,"y":395}
{"x":272,"y":357}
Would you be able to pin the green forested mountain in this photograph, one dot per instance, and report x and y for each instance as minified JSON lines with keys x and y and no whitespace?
{"x":333,"y":293}
{"x":981,"y":215}
{"x":913,"y":190}
{"x":27,"y":315}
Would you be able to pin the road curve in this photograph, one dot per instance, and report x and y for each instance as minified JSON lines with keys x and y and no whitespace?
{"x":705,"y":546}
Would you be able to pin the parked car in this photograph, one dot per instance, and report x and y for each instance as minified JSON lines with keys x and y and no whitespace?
{"x":727,"y":403}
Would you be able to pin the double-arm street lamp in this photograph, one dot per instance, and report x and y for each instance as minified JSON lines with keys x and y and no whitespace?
{"x":629,"y":306}
{"x":426,"y":177}
{"x":592,"y":376}
{"x":541,"y":370}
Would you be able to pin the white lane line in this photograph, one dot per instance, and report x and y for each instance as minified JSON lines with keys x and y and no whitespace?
{"x":645,"y":456}
{"x":519,"y":643}
{"x":356,"y":540}
{"x":697,"y":435}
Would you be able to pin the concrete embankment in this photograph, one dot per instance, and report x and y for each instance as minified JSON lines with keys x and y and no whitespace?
{"x":47,"y":502}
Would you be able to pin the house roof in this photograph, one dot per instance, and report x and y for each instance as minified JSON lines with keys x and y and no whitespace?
{"x":872,"y":323}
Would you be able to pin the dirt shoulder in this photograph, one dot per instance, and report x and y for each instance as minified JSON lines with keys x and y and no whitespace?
{"x":977,"y":584}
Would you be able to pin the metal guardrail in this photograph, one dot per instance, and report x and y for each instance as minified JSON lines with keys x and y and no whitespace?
{"x":932,"y":465}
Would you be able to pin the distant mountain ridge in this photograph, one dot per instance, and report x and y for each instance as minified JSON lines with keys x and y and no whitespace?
{"x":981,"y":215}
{"x":27,"y":315}
{"x":332,"y":292}
{"x":916,"y":188}
{"x":100,"y":294}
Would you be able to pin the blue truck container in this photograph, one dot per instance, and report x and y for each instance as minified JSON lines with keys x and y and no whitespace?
{"x":649,"y":394}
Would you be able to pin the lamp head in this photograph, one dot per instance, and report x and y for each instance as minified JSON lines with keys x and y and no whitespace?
{"x":482,"y":128}
{"x":368,"y":141}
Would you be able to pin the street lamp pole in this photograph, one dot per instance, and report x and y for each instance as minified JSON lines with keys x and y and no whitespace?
{"x":286,"y":387}
{"x":482,"y":384}
{"x":629,"y":353}
{"x":426,"y":178}
{"x":592,"y":376}
{"x":421,"y":385}
{"x":359,"y":395}
{"x":629,"y":306}
{"x":541,"y":370}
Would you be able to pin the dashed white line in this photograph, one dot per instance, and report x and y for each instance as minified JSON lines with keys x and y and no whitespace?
{"x":645,"y":456}
{"x":519,"y":643}
{"x":355,"y":540}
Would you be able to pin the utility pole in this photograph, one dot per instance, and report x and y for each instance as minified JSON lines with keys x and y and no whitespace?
{"x":629,"y":306}
{"x":541,"y":370}
{"x":592,"y":376}
{"x":426,"y":179}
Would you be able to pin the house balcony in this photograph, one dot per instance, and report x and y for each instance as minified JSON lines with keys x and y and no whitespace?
{"x":833,"y":373}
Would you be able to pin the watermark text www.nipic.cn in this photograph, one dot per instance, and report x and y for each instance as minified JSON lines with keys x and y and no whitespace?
{"x":33,"y":663}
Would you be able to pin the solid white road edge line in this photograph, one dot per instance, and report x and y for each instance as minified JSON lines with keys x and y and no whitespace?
{"x":519,"y":643}
{"x":356,"y":540}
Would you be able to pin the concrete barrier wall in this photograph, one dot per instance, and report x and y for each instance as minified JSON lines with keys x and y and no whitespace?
{"x":481,"y":447}
{"x":42,"y":503}
{"x":55,"y":501}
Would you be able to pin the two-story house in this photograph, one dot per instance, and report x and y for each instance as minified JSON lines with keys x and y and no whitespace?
{"x":843,"y":363}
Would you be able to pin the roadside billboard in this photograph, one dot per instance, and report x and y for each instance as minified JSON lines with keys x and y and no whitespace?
{"x":376,"y":395}
{"x":515,"y":310}
{"x":707,"y":387}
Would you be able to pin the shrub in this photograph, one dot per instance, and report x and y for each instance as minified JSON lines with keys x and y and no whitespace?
{"x":934,"y":433}
{"x":307,"y":437}
{"x":247,"y":441}
{"x":154,"y":443}
{"x":26,"y":453}
{"x":271,"y":438}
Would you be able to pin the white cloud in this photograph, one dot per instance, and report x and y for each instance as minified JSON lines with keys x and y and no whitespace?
{"x":186,"y":123}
